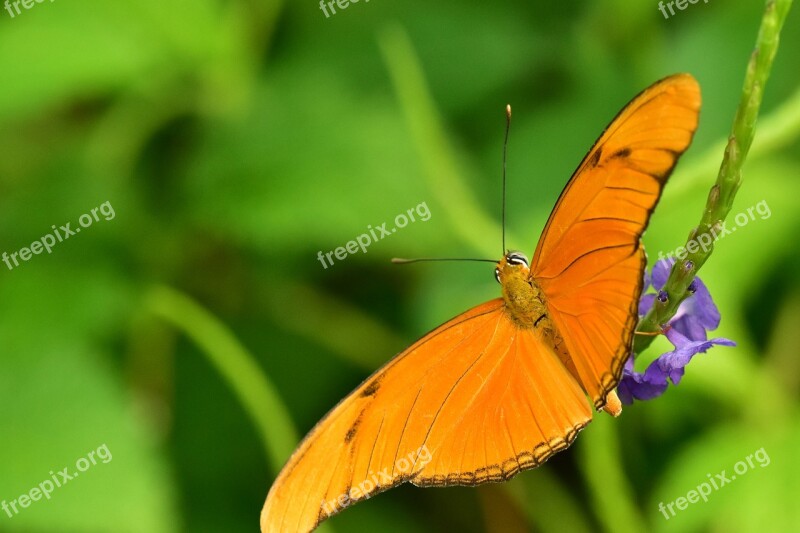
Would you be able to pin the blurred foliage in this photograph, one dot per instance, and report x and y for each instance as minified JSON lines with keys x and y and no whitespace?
{"x":237,"y":139}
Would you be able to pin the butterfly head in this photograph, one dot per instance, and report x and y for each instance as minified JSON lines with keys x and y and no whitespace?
{"x":512,"y":265}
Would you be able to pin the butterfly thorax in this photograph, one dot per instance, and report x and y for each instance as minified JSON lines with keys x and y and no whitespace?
{"x":524,"y":299}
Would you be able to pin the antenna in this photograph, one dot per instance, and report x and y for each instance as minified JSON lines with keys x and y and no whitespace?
{"x":505,"y":149}
{"x":401,"y":261}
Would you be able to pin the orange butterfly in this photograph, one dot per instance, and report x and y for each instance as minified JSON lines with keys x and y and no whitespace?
{"x":502,"y":387}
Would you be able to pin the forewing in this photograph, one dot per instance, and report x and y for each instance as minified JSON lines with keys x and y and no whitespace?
{"x":589,"y":259}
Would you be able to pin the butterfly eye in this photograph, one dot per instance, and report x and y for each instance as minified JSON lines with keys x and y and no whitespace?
{"x":517,"y":258}
{"x":497,"y":274}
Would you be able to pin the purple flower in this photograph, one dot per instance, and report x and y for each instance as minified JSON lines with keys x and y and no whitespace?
{"x":687,"y":331}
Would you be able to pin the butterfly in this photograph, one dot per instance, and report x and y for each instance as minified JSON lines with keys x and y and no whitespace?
{"x":502,"y":387}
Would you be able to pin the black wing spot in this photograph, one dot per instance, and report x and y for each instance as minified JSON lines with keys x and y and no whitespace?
{"x":625,"y":152}
{"x":351,"y":433}
{"x":596,"y":157}
{"x":371,"y":389}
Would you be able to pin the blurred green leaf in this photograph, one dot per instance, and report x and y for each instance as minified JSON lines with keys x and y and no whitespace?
{"x":65,"y":400}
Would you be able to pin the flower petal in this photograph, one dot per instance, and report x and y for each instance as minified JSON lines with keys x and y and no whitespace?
{"x":690,"y":327}
{"x":646,"y":303}
{"x":703,"y":307}
{"x":639,"y":386}
{"x":661,"y":272}
{"x":687,"y":331}
{"x":671,"y":365}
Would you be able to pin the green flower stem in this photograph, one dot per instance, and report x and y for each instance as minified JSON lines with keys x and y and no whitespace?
{"x":720,"y":198}
{"x":236,"y":365}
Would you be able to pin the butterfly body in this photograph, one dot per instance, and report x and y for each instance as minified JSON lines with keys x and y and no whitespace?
{"x":505,"y":385}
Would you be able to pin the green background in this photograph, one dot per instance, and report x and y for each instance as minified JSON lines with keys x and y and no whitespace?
{"x":235,"y":140}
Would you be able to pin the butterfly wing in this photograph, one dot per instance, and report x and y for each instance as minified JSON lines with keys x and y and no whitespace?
{"x":475,"y":400}
{"x":589,"y":260}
